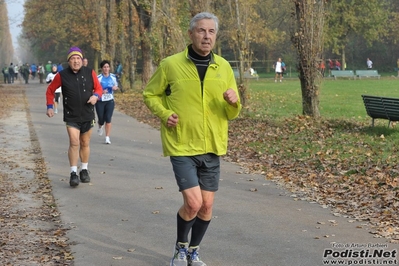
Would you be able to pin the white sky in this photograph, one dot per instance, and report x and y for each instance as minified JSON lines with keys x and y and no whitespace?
{"x":15,"y":17}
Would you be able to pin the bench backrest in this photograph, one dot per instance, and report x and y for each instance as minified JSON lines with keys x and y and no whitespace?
{"x":391,"y":106}
{"x":382,"y":107}
{"x":342,"y":72}
{"x":367,"y":72}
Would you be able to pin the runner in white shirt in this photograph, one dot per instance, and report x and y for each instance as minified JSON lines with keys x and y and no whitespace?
{"x":16,"y":71}
{"x":278,"y":70}
{"x":369,"y":63}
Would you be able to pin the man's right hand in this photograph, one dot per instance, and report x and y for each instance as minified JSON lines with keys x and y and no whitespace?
{"x":50,"y":112}
{"x":172,"y":120}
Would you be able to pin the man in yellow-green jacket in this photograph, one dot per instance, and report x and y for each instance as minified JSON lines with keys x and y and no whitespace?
{"x":194,"y":93}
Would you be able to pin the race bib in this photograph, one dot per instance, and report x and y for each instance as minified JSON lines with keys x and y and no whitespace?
{"x":107,"y":97}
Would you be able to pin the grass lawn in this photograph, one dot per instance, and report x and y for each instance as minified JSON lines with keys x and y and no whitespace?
{"x":344,"y":120}
{"x":339,"y":99}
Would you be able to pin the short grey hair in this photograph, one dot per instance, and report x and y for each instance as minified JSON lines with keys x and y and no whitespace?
{"x":201,"y":16}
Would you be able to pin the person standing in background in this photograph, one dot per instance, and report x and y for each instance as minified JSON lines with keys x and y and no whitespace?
{"x":85,"y":62}
{"x":11,"y":74}
{"x":48,"y":67}
{"x":60,"y":67}
{"x":331,"y":66}
{"x":5,"y":73}
{"x":283,"y":69}
{"x":57,"y":92}
{"x":337,"y":65}
{"x":41,"y":71}
{"x":369,"y":63}
{"x":80,"y":92}
{"x":33,"y":70}
{"x":118,"y":69}
{"x":118,"y":73}
{"x":194,"y":109}
{"x":397,"y":64}
{"x":25,"y":72}
{"x":322,"y":67}
{"x":16,"y":71}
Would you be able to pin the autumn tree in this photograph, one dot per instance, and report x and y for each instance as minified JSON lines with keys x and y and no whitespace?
{"x":393,"y":19}
{"x":307,"y":37}
{"x":146,"y":31}
{"x":275,"y":42}
{"x":145,"y":10}
{"x":126,"y":51}
{"x":242,"y":29}
{"x":346,"y":18}
{"x":6,"y":48}
{"x":161,"y":25}
{"x":197,"y":6}
{"x":169,"y":34}
{"x":51,"y":35}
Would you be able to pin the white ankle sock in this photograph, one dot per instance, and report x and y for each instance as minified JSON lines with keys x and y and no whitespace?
{"x":74,"y":169}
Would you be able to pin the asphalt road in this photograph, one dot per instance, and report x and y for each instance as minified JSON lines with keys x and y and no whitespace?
{"x":127,"y":214}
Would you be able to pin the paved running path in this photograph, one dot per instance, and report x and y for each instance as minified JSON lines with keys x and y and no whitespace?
{"x":127,"y":214}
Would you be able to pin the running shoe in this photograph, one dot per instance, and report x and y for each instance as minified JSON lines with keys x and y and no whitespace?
{"x":180,"y":256}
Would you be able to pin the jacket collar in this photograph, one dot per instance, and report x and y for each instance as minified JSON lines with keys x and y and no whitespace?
{"x":212,"y":62}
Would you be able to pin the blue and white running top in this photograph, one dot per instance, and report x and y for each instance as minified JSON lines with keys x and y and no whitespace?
{"x":107,"y":83}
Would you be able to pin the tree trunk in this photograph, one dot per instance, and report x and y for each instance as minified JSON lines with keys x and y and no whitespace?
{"x":310,"y":96}
{"x":307,"y":37}
{"x":131,"y":58}
{"x":119,"y":48}
{"x":101,"y":31}
{"x":240,"y":43}
{"x":145,"y":18}
{"x":96,"y":59}
{"x":109,"y":30}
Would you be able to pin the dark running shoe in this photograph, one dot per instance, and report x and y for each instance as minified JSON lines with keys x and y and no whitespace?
{"x":84,"y":176}
{"x":74,"y":180}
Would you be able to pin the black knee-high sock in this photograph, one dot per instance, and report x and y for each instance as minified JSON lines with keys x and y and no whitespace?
{"x":183,"y":228}
{"x":198,"y":231}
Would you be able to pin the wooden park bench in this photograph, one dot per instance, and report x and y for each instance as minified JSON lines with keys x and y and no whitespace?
{"x":381,"y":108}
{"x":367,"y":73}
{"x":343,"y":73}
